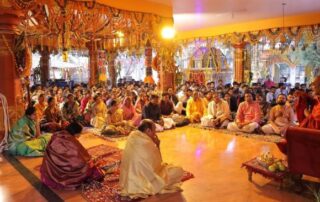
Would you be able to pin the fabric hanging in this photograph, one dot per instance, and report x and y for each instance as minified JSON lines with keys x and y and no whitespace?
{"x":6,"y":123}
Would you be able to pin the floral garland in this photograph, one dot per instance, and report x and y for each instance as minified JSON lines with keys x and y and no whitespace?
{"x":22,"y":72}
{"x":252,"y":37}
{"x":11,"y":52}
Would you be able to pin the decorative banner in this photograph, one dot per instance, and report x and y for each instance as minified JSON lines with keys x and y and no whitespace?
{"x":197,"y":76}
{"x":275,"y":35}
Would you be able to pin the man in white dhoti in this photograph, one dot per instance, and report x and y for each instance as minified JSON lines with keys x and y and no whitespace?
{"x":218,"y":113}
{"x":142,"y":172}
{"x":280,"y":118}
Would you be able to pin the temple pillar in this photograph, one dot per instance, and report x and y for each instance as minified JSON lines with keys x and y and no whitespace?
{"x":10,"y":83}
{"x":239,"y":62}
{"x":111,"y":68}
{"x":148,"y":63}
{"x":167,"y":80}
{"x":167,"y":68}
{"x":44,"y":65}
{"x":93,"y":63}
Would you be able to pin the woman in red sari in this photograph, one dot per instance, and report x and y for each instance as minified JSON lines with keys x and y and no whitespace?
{"x":66,"y":163}
{"x":312,"y":121}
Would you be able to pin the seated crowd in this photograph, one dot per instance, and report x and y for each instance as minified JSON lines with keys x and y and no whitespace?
{"x":140,"y":110}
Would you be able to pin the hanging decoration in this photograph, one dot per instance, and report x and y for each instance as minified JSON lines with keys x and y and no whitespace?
{"x":283,"y":35}
{"x":68,"y":24}
{"x":102,"y":74}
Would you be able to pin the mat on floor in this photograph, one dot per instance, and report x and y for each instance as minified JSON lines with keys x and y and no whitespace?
{"x":261,"y":137}
{"x":108,"y":190}
{"x":111,"y":138}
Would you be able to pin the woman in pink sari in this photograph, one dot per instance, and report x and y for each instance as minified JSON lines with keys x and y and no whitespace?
{"x":129,"y":113}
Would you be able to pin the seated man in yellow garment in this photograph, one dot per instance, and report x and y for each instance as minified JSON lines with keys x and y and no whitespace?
{"x":195,"y":108}
{"x":142,"y":172}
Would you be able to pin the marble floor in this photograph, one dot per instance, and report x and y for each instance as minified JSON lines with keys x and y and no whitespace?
{"x":214,"y":158}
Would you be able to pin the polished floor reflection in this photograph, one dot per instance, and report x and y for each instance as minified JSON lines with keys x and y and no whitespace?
{"x":214,"y":158}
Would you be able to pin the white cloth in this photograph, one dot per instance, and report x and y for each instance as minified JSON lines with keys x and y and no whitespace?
{"x":179,"y":107}
{"x":142,"y":172}
{"x":247,"y":128}
{"x":219,"y":110}
{"x":207,"y":121}
{"x":168,"y":123}
{"x":267,"y":129}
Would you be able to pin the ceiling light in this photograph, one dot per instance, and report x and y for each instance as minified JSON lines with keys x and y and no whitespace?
{"x":168,"y":32}
{"x":120,"y":34}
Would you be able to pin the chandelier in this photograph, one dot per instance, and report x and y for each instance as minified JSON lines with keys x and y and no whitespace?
{"x":283,"y":37}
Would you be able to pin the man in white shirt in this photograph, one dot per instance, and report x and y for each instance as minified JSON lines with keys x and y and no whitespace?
{"x":281,"y":90}
{"x":218,"y":113}
{"x":270,"y":97}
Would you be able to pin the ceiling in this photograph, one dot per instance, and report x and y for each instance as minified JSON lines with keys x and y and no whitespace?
{"x":198,"y":14}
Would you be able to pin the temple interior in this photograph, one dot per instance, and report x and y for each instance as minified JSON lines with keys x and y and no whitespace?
{"x":160,"y":100}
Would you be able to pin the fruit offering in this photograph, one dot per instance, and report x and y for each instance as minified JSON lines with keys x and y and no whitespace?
{"x":266,"y":159}
{"x":277,"y":166}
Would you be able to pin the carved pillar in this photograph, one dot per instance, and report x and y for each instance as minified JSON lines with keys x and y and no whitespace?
{"x":148,"y":63}
{"x":44,"y":65}
{"x":93,"y":63}
{"x":167,"y":80}
{"x":247,"y":64}
{"x":10,"y":84}
{"x":111,"y":68}
{"x":167,"y":68}
{"x":239,"y":62}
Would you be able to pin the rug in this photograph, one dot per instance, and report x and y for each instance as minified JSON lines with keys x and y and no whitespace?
{"x":106,"y":157}
{"x":260,"y":137}
{"x":108,"y":190}
{"x":111,"y":138}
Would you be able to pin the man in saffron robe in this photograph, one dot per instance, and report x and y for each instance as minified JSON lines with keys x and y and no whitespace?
{"x":142,"y":171}
{"x":66,"y":163}
{"x":195,"y":108}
